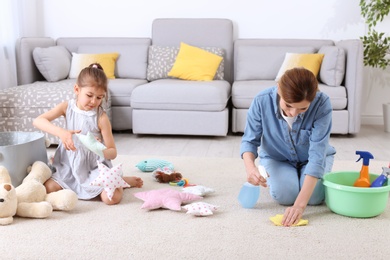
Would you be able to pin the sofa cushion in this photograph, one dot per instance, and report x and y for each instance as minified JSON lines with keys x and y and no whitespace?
{"x":52,"y":62}
{"x":132,"y":60}
{"x":121,"y":89}
{"x":262,"y":62}
{"x":176,"y":94}
{"x":243,"y":93}
{"x":310,"y":61}
{"x":193,"y":63}
{"x":162,"y":58}
{"x":333,"y":65}
{"x":82,"y":60}
{"x":337,"y":95}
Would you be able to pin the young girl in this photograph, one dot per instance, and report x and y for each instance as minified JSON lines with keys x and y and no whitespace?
{"x":75,"y":167}
{"x":291,"y":124}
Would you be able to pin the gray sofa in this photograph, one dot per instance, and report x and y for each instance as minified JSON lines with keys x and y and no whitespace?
{"x":257,"y":62}
{"x":142,"y":98}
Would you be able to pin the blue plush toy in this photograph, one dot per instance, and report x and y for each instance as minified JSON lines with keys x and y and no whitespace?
{"x":150,"y":165}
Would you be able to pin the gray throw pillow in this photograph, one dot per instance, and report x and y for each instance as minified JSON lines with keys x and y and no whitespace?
{"x":162,"y":58}
{"x":333,"y":65}
{"x":52,"y":62}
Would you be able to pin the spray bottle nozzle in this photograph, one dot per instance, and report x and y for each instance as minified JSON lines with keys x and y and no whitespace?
{"x":386,"y":171}
{"x":366,"y":157}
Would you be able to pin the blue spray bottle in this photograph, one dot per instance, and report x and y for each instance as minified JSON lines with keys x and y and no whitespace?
{"x":381,"y":179}
{"x":249,"y":193}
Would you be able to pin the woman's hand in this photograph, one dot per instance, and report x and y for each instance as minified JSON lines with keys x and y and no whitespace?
{"x":292,"y":215}
{"x":254,"y":177}
{"x":67,"y":140}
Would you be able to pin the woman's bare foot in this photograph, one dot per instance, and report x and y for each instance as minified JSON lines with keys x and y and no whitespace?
{"x":134,"y":181}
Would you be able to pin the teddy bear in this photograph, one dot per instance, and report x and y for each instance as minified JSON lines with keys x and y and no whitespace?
{"x":30,"y":199}
{"x":8,"y":199}
{"x":165,"y":177}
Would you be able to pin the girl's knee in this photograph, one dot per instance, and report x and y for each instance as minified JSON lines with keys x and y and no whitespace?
{"x":111,"y":202}
{"x":116,"y":197}
{"x":51,"y":186}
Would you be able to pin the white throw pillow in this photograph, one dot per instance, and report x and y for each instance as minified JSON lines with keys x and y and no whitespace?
{"x":333,"y":65}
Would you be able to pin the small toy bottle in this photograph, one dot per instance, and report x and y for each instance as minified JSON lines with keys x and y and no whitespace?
{"x":381,"y":179}
{"x":249,"y":193}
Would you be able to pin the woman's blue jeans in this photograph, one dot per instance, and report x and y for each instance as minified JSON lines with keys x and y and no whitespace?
{"x":285,"y":181}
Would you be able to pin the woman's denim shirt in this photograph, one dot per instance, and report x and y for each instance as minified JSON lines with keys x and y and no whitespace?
{"x":306,"y":143}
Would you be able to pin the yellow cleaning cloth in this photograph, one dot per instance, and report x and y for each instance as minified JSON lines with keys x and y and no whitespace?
{"x":277,"y":220}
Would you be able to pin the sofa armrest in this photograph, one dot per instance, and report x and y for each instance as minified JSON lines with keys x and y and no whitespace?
{"x":27,"y":72}
{"x":353,"y":81}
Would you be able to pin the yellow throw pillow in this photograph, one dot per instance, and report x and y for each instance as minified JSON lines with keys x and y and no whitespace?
{"x":310,"y":61}
{"x":193,"y":63}
{"x":81,"y":60}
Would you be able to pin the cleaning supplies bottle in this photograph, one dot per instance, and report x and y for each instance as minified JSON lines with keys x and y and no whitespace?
{"x":249,"y":193}
{"x":364,"y":178}
{"x":381,"y":179}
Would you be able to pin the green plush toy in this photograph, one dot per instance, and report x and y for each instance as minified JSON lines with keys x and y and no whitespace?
{"x":92,"y":144}
{"x":150,"y":165}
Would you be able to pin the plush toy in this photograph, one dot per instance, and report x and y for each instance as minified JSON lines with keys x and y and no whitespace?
{"x":110,"y":179}
{"x":30,"y":197}
{"x":200,"y":209}
{"x":8,"y":200}
{"x":165,"y":198}
{"x":166,"y":177}
{"x":89,"y":141}
{"x":199,"y":190}
{"x":150,"y":165}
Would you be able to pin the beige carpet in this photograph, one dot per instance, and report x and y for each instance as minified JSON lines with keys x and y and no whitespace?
{"x":97,"y":231}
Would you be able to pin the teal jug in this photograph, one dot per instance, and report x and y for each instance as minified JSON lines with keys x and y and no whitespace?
{"x":249,"y":194}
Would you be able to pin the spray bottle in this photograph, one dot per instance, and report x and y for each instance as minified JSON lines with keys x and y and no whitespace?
{"x":249,"y":193}
{"x":364,"y":179}
{"x":381,"y":179}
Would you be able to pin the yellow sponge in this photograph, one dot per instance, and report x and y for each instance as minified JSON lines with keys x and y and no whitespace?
{"x":277,"y":220}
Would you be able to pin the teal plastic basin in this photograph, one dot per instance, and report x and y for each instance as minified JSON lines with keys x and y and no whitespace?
{"x":343,"y":198}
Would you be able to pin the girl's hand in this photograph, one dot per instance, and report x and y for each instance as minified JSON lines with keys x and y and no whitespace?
{"x":292,"y":215}
{"x":67,"y":140}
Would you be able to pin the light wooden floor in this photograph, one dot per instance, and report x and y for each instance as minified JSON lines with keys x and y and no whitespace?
{"x":371,"y":138}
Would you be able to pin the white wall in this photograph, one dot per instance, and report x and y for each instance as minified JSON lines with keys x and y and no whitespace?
{"x":330,"y":19}
{"x":252,"y":18}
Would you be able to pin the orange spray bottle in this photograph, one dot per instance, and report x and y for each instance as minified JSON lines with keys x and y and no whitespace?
{"x":364,"y":178}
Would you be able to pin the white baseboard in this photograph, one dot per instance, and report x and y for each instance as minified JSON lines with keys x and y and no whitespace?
{"x":372,"y":120}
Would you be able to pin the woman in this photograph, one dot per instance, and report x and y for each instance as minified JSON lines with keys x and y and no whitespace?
{"x":290,"y":125}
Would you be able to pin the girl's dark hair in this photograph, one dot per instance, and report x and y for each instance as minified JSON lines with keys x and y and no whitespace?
{"x":93,"y":75}
{"x":298,"y":84}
